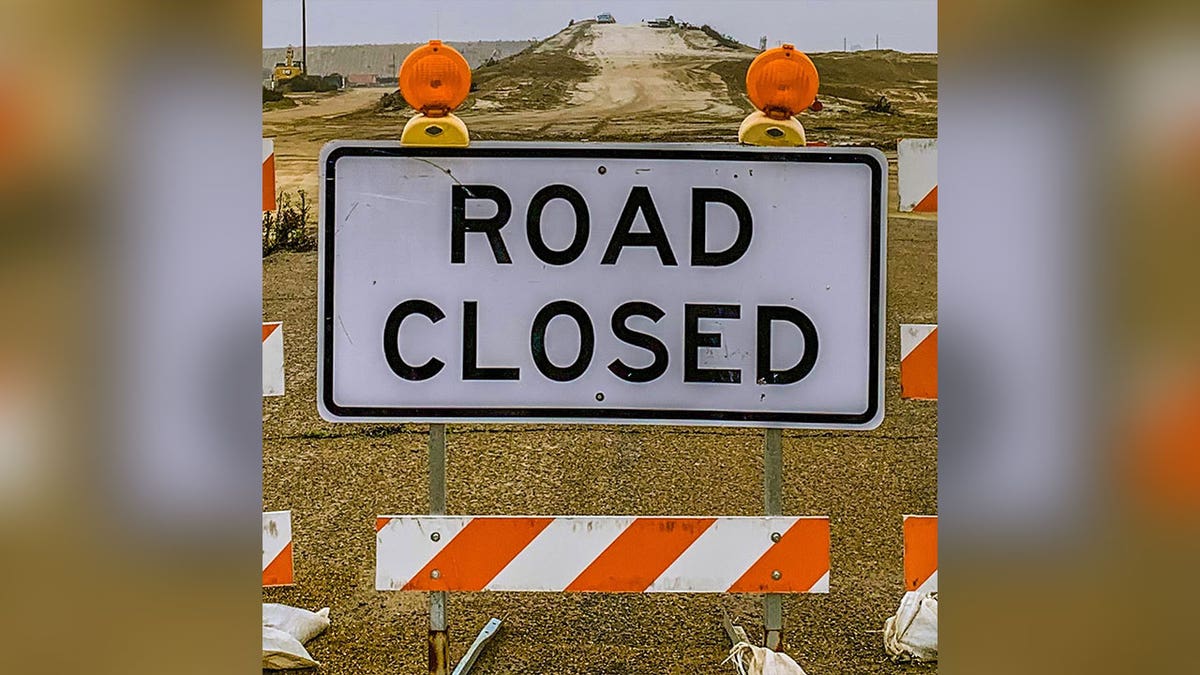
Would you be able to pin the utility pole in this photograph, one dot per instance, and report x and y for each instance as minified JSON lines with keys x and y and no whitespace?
{"x":844,"y":44}
{"x":877,"y":41}
{"x":304,"y":34}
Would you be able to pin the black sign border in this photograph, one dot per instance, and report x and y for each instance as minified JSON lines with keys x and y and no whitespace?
{"x":602,"y":415}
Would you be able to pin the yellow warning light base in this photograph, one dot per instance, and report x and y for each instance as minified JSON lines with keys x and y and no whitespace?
{"x":759,"y":129}
{"x":447,"y":130}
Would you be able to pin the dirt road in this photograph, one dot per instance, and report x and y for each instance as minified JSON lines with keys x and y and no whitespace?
{"x":644,"y":70}
{"x":648,"y":82}
{"x":325,"y":106}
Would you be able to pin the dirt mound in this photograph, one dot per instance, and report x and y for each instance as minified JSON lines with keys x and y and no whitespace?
{"x":721,"y":40}
{"x":528,"y":81}
{"x":536,"y":81}
{"x":864,"y":76}
{"x":539,"y":77}
{"x":565,"y":40}
{"x":854,"y":76}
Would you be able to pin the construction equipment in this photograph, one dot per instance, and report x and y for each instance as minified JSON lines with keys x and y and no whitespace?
{"x":288,"y":68}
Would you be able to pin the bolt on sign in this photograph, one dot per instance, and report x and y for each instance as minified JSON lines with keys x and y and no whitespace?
{"x":684,"y":284}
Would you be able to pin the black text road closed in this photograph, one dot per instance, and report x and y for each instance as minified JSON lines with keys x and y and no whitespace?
{"x":610,"y":283}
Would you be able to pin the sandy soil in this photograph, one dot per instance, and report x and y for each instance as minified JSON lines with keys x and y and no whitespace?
{"x":325,"y":106}
{"x":337,"y":478}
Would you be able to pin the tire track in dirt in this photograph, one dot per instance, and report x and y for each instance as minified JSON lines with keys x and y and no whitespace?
{"x":645,"y":77}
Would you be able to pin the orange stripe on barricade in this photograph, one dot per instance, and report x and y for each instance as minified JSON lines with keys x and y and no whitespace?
{"x":928,"y":204}
{"x":268,"y":175}
{"x":280,"y":571}
{"x":640,"y":554}
{"x":918,"y":361}
{"x":277,"y":548}
{"x":920,"y":551}
{"x":477,"y":554}
{"x":803,"y":550}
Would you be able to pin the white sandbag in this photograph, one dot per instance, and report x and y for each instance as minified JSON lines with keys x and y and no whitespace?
{"x":281,"y":651}
{"x":752,"y":660}
{"x":299,"y":623}
{"x":912,"y":635}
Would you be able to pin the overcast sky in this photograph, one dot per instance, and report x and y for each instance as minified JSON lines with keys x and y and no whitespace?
{"x":813,"y":25}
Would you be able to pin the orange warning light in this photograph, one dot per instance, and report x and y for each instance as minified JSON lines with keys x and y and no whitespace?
{"x":782,"y":82}
{"x":435,"y":79}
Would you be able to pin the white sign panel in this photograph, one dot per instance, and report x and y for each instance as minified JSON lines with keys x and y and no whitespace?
{"x":680,"y":284}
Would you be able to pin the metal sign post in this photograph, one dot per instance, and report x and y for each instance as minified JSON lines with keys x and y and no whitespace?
{"x":439,"y":636}
{"x":773,"y":506}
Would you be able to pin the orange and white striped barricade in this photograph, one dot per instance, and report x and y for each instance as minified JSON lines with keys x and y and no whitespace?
{"x":272,"y":358}
{"x":277,"y":549}
{"x":920,"y":554}
{"x":603,"y":554}
{"x":918,"y":361}
{"x":916,"y":174}
{"x":268,"y":174}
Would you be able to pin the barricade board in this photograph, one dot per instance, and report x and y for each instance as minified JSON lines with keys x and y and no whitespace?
{"x":603,"y":554}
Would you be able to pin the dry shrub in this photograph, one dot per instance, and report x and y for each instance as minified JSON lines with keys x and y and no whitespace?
{"x":286,"y":228}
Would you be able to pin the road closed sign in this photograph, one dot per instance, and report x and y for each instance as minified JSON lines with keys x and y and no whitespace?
{"x":680,"y":284}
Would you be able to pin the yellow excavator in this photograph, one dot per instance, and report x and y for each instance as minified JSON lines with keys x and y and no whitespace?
{"x":287,"y":69}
